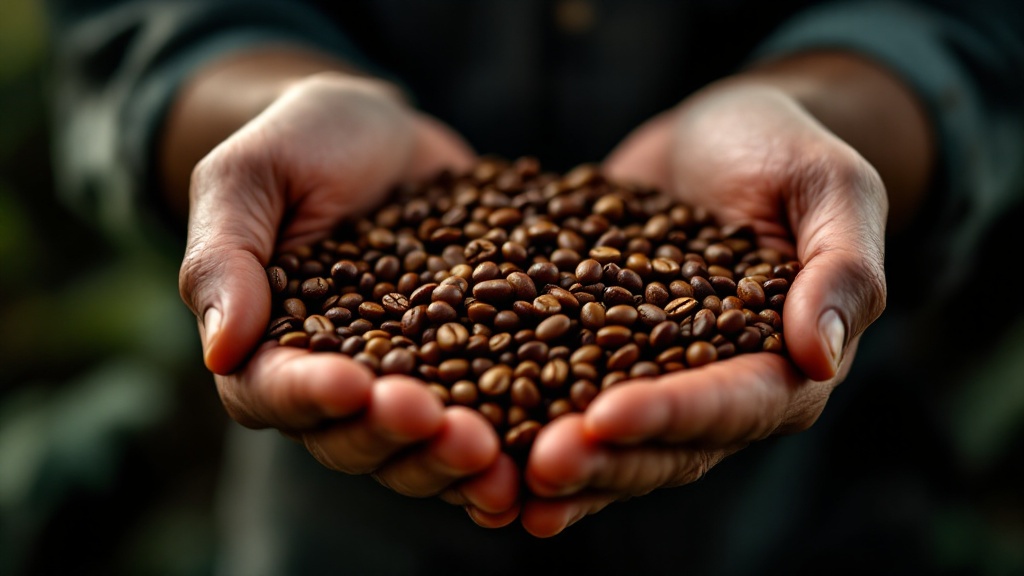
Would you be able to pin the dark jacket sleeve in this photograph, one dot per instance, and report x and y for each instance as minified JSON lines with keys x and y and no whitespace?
{"x":965,"y":61}
{"x":116,"y":67}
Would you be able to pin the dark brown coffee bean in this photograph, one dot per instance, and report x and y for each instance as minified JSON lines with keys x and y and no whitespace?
{"x":559,"y":407}
{"x":589,"y":271}
{"x":613,"y":336}
{"x":496,"y":381}
{"x":314,"y":288}
{"x":615,"y":295}
{"x":481,"y":312}
{"x":522,"y":285}
{"x":506,"y":321}
{"x":731,"y":321}
{"x":485,"y":271}
{"x":713,"y":303}
{"x":592,"y":316}
{"x":645,"y":369}
{"x":317,"y":323}
{"x":606,"y":255}
{"x":704,"y":324}
{"x":452,"y":336}
{"x":582,"y":393}
{"x":395,"y":303}
{"x":554,"y":373}
{"x":700,"y":353}
{"x":398,"y":361}
{"x":624,"y":357}
{"x":665,"y":269}
{"x":447,"y":293}
{"x":522,"y":435}
{"x":493,"y":291}
{"x":651,"y":315}
{"x":295,"y":339}
{"x":657,"y":294}
{"x":680,"y":308}
{"x":524,"y":393}
{"x":453,"y":369}
{"x":371,"y":311}
{"x":622,"y":315}
{"x":440,"y":312}
{"x":278,"y":279}
{"x":750,"y":291}
{"x":702,"y":288}
{"x":295,"y":307}
{"x":535,"y":351}
{"x":464,"y":393}
{"x":553,"y":327}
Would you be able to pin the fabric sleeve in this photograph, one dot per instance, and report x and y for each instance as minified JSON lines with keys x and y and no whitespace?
{"x":116,"y":68}
{"x":965,"y":61}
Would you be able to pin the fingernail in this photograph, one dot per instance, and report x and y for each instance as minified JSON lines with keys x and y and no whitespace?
{"x":832,"y":330}
{"x":211,"y":325}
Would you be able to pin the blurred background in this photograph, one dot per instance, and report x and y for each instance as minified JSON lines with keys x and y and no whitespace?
{"x":111,"y":430}
{"x":110,"y":427}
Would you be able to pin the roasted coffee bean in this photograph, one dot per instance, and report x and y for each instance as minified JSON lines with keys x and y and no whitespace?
{"x":553,"y":327}
{"x":452,"y":336}
{"x":622,"y":315}
{"x":395,"y":303}
{"x":589,"y":271}
{"x":523,"y":294}
{"x":624,"y":357}
{"x":613,"y":336}
{"x":750,"y":291}
{"x":680,"y":308}
{"x":398,"y":361}
{"x":522,"y":285}
{"x":496,"y":381}
{"x":440,"y":312}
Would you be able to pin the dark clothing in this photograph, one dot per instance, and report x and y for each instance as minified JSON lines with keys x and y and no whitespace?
{"x":565,"y":81}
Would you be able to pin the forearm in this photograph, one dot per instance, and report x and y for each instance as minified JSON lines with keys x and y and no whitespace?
{"x":869,"y":108}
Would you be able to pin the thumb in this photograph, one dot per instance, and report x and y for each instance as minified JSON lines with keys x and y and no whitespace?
{"x":222,"y":277}
{"x":841,"y":289}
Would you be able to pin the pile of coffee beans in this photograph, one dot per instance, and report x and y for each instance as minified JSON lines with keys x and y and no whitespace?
{"x":523,"y":293}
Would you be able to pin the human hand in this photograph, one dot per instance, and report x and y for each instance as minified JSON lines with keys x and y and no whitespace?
{"x":329,"y":146}
{"x":750,"y":154}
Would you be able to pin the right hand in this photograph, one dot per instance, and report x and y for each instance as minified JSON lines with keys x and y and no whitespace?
{"x":330,"y":146}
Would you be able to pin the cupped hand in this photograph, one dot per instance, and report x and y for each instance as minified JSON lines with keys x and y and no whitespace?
{"x":328,"y":147}
{"x":749,"y":153}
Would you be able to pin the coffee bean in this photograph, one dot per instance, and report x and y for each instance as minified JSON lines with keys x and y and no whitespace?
{"x":496,"y":381}
{"x":398,"y":361}
{"x":622,"y":314}
{"x":523,"y":294}
{"x":452,"y":336}
{"x":589,"y":271}
{"x":553,"y":327}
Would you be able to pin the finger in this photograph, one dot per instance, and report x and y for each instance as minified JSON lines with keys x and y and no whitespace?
{"x":464,"y":445}
{"x":222,"y":277}
{"x":493,"y":520}
{"x":841,"y":288}
{"x":565,"y":461}
{"x":493,"y":491}
{"x":641,"y":157}
{"x":546,"y":518}
{"x":292,"y":389}
{"x":401,"y":412}
{"x":739,"y":400}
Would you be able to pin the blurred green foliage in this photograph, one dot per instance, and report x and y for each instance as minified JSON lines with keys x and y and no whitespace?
{"x":110,"y":428}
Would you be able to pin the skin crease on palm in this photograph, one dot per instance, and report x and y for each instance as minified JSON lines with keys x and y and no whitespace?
{"x":747,"y":148}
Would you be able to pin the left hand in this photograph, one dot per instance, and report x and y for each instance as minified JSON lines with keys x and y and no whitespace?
{"x":749,"y":153}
